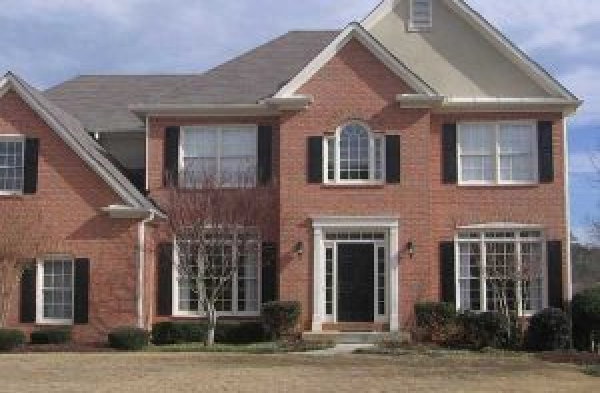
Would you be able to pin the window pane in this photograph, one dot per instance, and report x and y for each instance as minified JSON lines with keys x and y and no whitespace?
{"x":238,"y":143}
{"x":477,"y":139}
{"x":200,"y":142}
{"x":57,"y":289}
{"x":330,"y":158}
{"x":354,"y":152}
{"x":469,"y":276}
{"x":478,"y":168}
{"x":11,"y":165}
{"x":516,"y":144}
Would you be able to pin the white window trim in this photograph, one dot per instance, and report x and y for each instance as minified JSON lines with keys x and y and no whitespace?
{"x":15,"y":138}
{"x":39,"y":309}
{"x":176,"y":312}
{"x":219,"y":128}
{"x":483,"y":277}
{"x":424,"y":27}
{"x":497,"y":182}
{"x":335,"y":136}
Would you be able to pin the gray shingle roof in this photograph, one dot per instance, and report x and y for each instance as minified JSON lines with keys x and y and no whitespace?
{"x":101,"y":102}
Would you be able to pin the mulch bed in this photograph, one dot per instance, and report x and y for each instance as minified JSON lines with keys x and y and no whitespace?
{"x":63,"y":348}
{"x":580,"y":358}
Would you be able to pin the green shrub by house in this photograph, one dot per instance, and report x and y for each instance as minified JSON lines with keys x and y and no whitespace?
{"x":128,"y":339}
{"x":548,"y":330}
{"x":239,"y":332}
{"x":61,"y":335}
{"x":280,"y":317}
{"x":434,"y":320}
{"x":480,"y":330}
{"x":167,"y":333}
{"x":11,"y":339}
{"x":585,"y":311}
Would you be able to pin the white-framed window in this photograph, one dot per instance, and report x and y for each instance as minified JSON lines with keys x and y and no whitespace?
{"x":421,"y":15}
{"x":227,"y":152}
{"x":55,"y":289}
{"x":12,"y":152}
{"x":354,"y":155}
{"x":240,"y":296}
{"x":497,"y":153}
{"x":496,"y":267}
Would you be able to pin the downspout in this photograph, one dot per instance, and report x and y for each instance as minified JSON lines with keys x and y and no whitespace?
{"x":141,"y":269}
{"x":568,"y":210}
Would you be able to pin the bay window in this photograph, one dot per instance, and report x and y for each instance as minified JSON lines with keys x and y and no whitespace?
{"x":497,"y":153}
{"x":230,"y":264}
{"x":501,"y":269}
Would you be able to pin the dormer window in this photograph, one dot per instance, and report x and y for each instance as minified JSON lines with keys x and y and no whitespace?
{"x":421,"y":15}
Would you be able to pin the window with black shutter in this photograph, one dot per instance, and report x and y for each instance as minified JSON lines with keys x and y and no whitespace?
{"x":171,"y":156}
{"x":164,"y":273}
{"x":265,"y":154}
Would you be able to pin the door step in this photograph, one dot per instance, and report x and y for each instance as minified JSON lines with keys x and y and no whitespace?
{"x":338,"y":337}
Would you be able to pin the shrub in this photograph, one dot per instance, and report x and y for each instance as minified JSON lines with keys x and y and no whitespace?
{"x":166,"y":333}
{"x":128,"y":339}
{"x":585,"y":311}
{"x":480,"y":330}
{"x":434,"y":320}
{"x":235,"y":332}
{"x":60,"y":335}
{"x":11,"y":339}
{"x":280,"y":317}
{"x":548,"y":330}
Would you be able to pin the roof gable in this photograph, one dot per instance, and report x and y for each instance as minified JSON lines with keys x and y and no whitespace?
{"x":524,"y":72}
{"x":355,"y":31}
{"x":74,"y":135}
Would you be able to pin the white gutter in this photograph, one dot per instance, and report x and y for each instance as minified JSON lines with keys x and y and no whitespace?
{"x":141,"y":269}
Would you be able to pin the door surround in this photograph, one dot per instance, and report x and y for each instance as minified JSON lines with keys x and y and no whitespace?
{"x":382,"y":224}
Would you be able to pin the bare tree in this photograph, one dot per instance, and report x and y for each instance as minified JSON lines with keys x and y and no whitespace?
{"x":217,"y":223}
{"x":21,"y":239}
{"x":511,"y":281}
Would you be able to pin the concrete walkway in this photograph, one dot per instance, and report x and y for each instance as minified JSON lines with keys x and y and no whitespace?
{"x":339,"y":349}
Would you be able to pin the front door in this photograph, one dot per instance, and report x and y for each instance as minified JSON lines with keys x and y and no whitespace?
{"x":356,"y":282}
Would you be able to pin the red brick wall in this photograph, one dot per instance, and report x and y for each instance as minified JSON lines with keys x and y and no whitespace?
{"x":69,"y":198}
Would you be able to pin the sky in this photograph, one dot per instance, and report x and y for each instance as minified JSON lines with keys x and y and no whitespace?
{"x":48,"y":41}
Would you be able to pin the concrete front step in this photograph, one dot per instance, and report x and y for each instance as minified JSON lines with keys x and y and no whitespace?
{"x":355,"y":337}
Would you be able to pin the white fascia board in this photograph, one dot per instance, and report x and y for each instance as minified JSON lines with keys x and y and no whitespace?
{"x":259,"y":109}
{"x":295,"y":102}
{"x":354,"y":31}
{"x":566,"y":106}
{"x":126,"y":212}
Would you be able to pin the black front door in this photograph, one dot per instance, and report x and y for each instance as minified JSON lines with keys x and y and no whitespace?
{"x":356,"y":280}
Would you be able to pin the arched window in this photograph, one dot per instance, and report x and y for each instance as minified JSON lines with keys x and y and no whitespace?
{"x":354,"y":154}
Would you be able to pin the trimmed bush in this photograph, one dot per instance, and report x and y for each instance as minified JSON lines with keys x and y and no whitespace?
{"x":585,"y":311}
{"x":11,"y":339}
{"x":434,"y":320}
{"x":128,"y":339}
{"x":548,"y":330}
{"x":280,"y":317}
{"x":244,"y":332}
{"x":480,"y":330}
{"x":60,"y":335}
{"x":167,"y":333}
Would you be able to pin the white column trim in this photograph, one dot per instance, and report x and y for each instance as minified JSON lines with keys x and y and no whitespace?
{"x":318,"y":287}
{"x":394,"y":256}
{"x":567,"y":209}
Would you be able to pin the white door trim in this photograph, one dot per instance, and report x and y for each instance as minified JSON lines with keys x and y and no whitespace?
{"x":387,"y":224}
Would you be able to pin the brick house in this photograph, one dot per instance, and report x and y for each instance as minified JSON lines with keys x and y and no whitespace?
{"x":412,"y":151}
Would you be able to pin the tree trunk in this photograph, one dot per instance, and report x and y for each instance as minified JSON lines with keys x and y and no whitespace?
{"x":211,"y":313}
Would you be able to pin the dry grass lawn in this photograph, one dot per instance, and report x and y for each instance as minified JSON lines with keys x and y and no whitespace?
{"x":200,"y":372}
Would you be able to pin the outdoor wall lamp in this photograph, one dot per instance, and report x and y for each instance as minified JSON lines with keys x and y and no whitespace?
{"x":411,"y":248}
{"x":299,"y":248}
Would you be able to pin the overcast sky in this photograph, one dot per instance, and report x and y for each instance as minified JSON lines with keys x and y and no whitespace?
{"x":48,"y":41}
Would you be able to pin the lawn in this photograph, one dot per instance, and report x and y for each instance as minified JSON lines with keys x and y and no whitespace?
{"x":215,"y":372}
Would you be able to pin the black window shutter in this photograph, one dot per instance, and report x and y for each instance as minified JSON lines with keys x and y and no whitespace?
{"x":164,"y":290}
{"x":449,"y":154}
{"x":171,"y":156}
{"x":30,"y":164}
{"x":555,"y":274}
{"x":545,"y":152}
{"x":315,"y":159}
{"x":81,"y":295}
{"x":269,"y":272}
{"x":265,"y":154}
{"x":447,"y":273}
{"x":392,"y":158}
{"x":27,"y":306}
